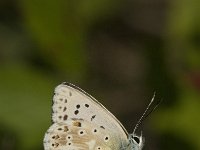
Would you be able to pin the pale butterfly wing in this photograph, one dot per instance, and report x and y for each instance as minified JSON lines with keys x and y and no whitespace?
{"x":71,"y":136}
{"x":81,"y":123}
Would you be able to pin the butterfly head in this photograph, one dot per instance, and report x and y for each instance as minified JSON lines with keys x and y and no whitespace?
{"x":136,"y":142}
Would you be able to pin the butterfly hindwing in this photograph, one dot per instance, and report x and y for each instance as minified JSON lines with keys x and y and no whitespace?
{"x":78,"y":135}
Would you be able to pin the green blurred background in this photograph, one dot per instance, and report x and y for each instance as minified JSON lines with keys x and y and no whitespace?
{"x":119,"y":51}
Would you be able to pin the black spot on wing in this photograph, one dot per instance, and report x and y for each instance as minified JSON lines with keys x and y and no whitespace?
{"x":76,"y":112}
{"x":86,"y":105}
{"x":64,"y":109}
{"x":78,"y":106}
{"x":65,"y":117}
{"x":70,"y":93}
{"x":93,"y":117}
{"x":102,"y":127}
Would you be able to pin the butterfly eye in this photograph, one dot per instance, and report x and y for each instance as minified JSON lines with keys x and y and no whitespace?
{"x":136,"y":139}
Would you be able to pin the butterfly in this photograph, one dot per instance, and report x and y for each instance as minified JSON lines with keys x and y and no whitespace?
{"x":80,"y":122}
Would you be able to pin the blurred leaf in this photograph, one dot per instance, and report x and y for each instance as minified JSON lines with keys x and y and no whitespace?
{"x":182,"y":119}
{"x":60,"y":28}
{"x":184,"y":32}
{"x":59,"y":34}
{"x":25,"y":103}
{"x":183,"y":18}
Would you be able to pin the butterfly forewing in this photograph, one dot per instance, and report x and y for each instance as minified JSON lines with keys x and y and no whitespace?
{"x":80,"y":123}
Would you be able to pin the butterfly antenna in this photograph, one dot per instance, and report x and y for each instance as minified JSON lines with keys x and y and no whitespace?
{"x":157,"y":104}
{"x":145,"y":114}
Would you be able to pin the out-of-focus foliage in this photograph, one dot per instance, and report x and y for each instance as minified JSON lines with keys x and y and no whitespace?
{"x":118,"y":51}
{"x":183,"y":44}
{"x":24,"y":96}
{"x":60,"y":28}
